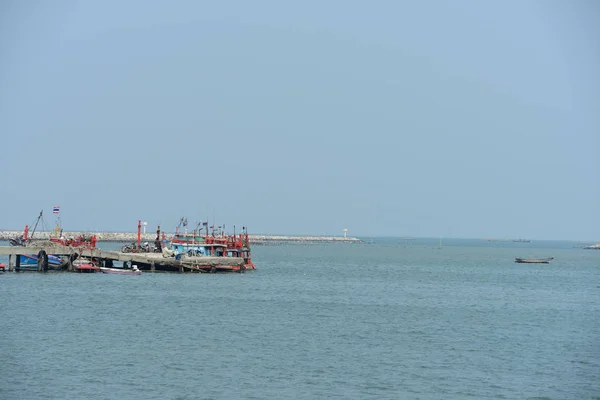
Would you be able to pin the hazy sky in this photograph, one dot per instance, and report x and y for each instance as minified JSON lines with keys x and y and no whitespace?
{"x":389,"y":118}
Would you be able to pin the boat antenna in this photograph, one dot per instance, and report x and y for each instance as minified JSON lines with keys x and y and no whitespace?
{"x":213,"y":224}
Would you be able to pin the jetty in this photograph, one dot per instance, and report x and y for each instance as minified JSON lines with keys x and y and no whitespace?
{"x":149,"y":237}
{"x":593,"y":247}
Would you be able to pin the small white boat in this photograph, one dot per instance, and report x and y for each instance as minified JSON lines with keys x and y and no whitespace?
{"x":121,"y":271}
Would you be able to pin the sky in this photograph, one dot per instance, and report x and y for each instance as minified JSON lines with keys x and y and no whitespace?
{"x":465,"y":119}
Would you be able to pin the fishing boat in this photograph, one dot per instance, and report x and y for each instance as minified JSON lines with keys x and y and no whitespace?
{"x":85,"y":265}
{"x":31,"y":261}
{"x":121,"y":271}
{"x":198,"y":245}
{"x":56,"y":262}
{"x":534,"y":260}
{"x":25,"y":238}
{"x":82,"y":241}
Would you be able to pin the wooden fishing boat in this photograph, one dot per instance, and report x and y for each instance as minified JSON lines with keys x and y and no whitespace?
{"x":32,"y":262}
{"x":50,"y":261}
{"x":197,"y":246}
{"x":534,"y":260}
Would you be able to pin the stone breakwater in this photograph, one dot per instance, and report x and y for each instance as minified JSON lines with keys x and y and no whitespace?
{"x":150,"y":237}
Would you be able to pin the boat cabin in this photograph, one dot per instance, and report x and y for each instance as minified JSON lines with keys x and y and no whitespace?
{"x":242,"y":253}
{"x":199,"y":249}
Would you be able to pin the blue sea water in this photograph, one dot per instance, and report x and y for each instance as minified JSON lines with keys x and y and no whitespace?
{"x":386,"y":319}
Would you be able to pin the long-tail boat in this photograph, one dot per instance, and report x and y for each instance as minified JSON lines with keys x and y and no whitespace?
{"x":534,"y":260}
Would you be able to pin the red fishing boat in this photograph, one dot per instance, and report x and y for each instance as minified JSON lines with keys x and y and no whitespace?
{"x":85,"y":265}
{"x":82,"y":241}
{"x":196,"y":247}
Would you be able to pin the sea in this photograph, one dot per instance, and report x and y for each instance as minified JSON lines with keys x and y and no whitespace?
{"x":390,"y":318}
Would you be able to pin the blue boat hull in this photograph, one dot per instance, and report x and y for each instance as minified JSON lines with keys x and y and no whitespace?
{"x":30,"y":261}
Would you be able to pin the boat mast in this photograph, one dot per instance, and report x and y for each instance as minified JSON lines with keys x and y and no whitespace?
{"x":58,"y":228}
{"x":36,"y":224}
{"x":139,"y":233}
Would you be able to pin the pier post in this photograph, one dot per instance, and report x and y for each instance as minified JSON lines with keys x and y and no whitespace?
{"x":10,"y":262}
{"x":152,"y":266}
{"x":18,"y":263}
{"x":42,"y":261}
{"x":72,"y":257}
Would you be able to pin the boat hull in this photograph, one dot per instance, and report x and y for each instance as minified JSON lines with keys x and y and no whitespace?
{"x":31,"y":262}
{"x":220,"y":268}
{"x":119,"y":271}
{"x":534,"y":260}
{"x":87,"y":268}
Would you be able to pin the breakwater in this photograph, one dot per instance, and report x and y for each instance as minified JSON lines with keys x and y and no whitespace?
{"x":150,"y":237}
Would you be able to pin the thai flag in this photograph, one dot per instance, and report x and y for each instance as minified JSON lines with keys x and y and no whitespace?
{"x":56,"y":210}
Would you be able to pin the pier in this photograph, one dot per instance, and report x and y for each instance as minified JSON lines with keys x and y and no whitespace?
{"x":151,"y":262}
{"x":77,"y":251}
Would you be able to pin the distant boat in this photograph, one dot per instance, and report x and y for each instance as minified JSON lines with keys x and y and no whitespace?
{"x":510,"y":240}
{"x":593,"y":247}
{"x":534,"y":260}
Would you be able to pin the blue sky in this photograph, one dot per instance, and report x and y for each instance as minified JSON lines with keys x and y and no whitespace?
{"x":389,"y":118}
